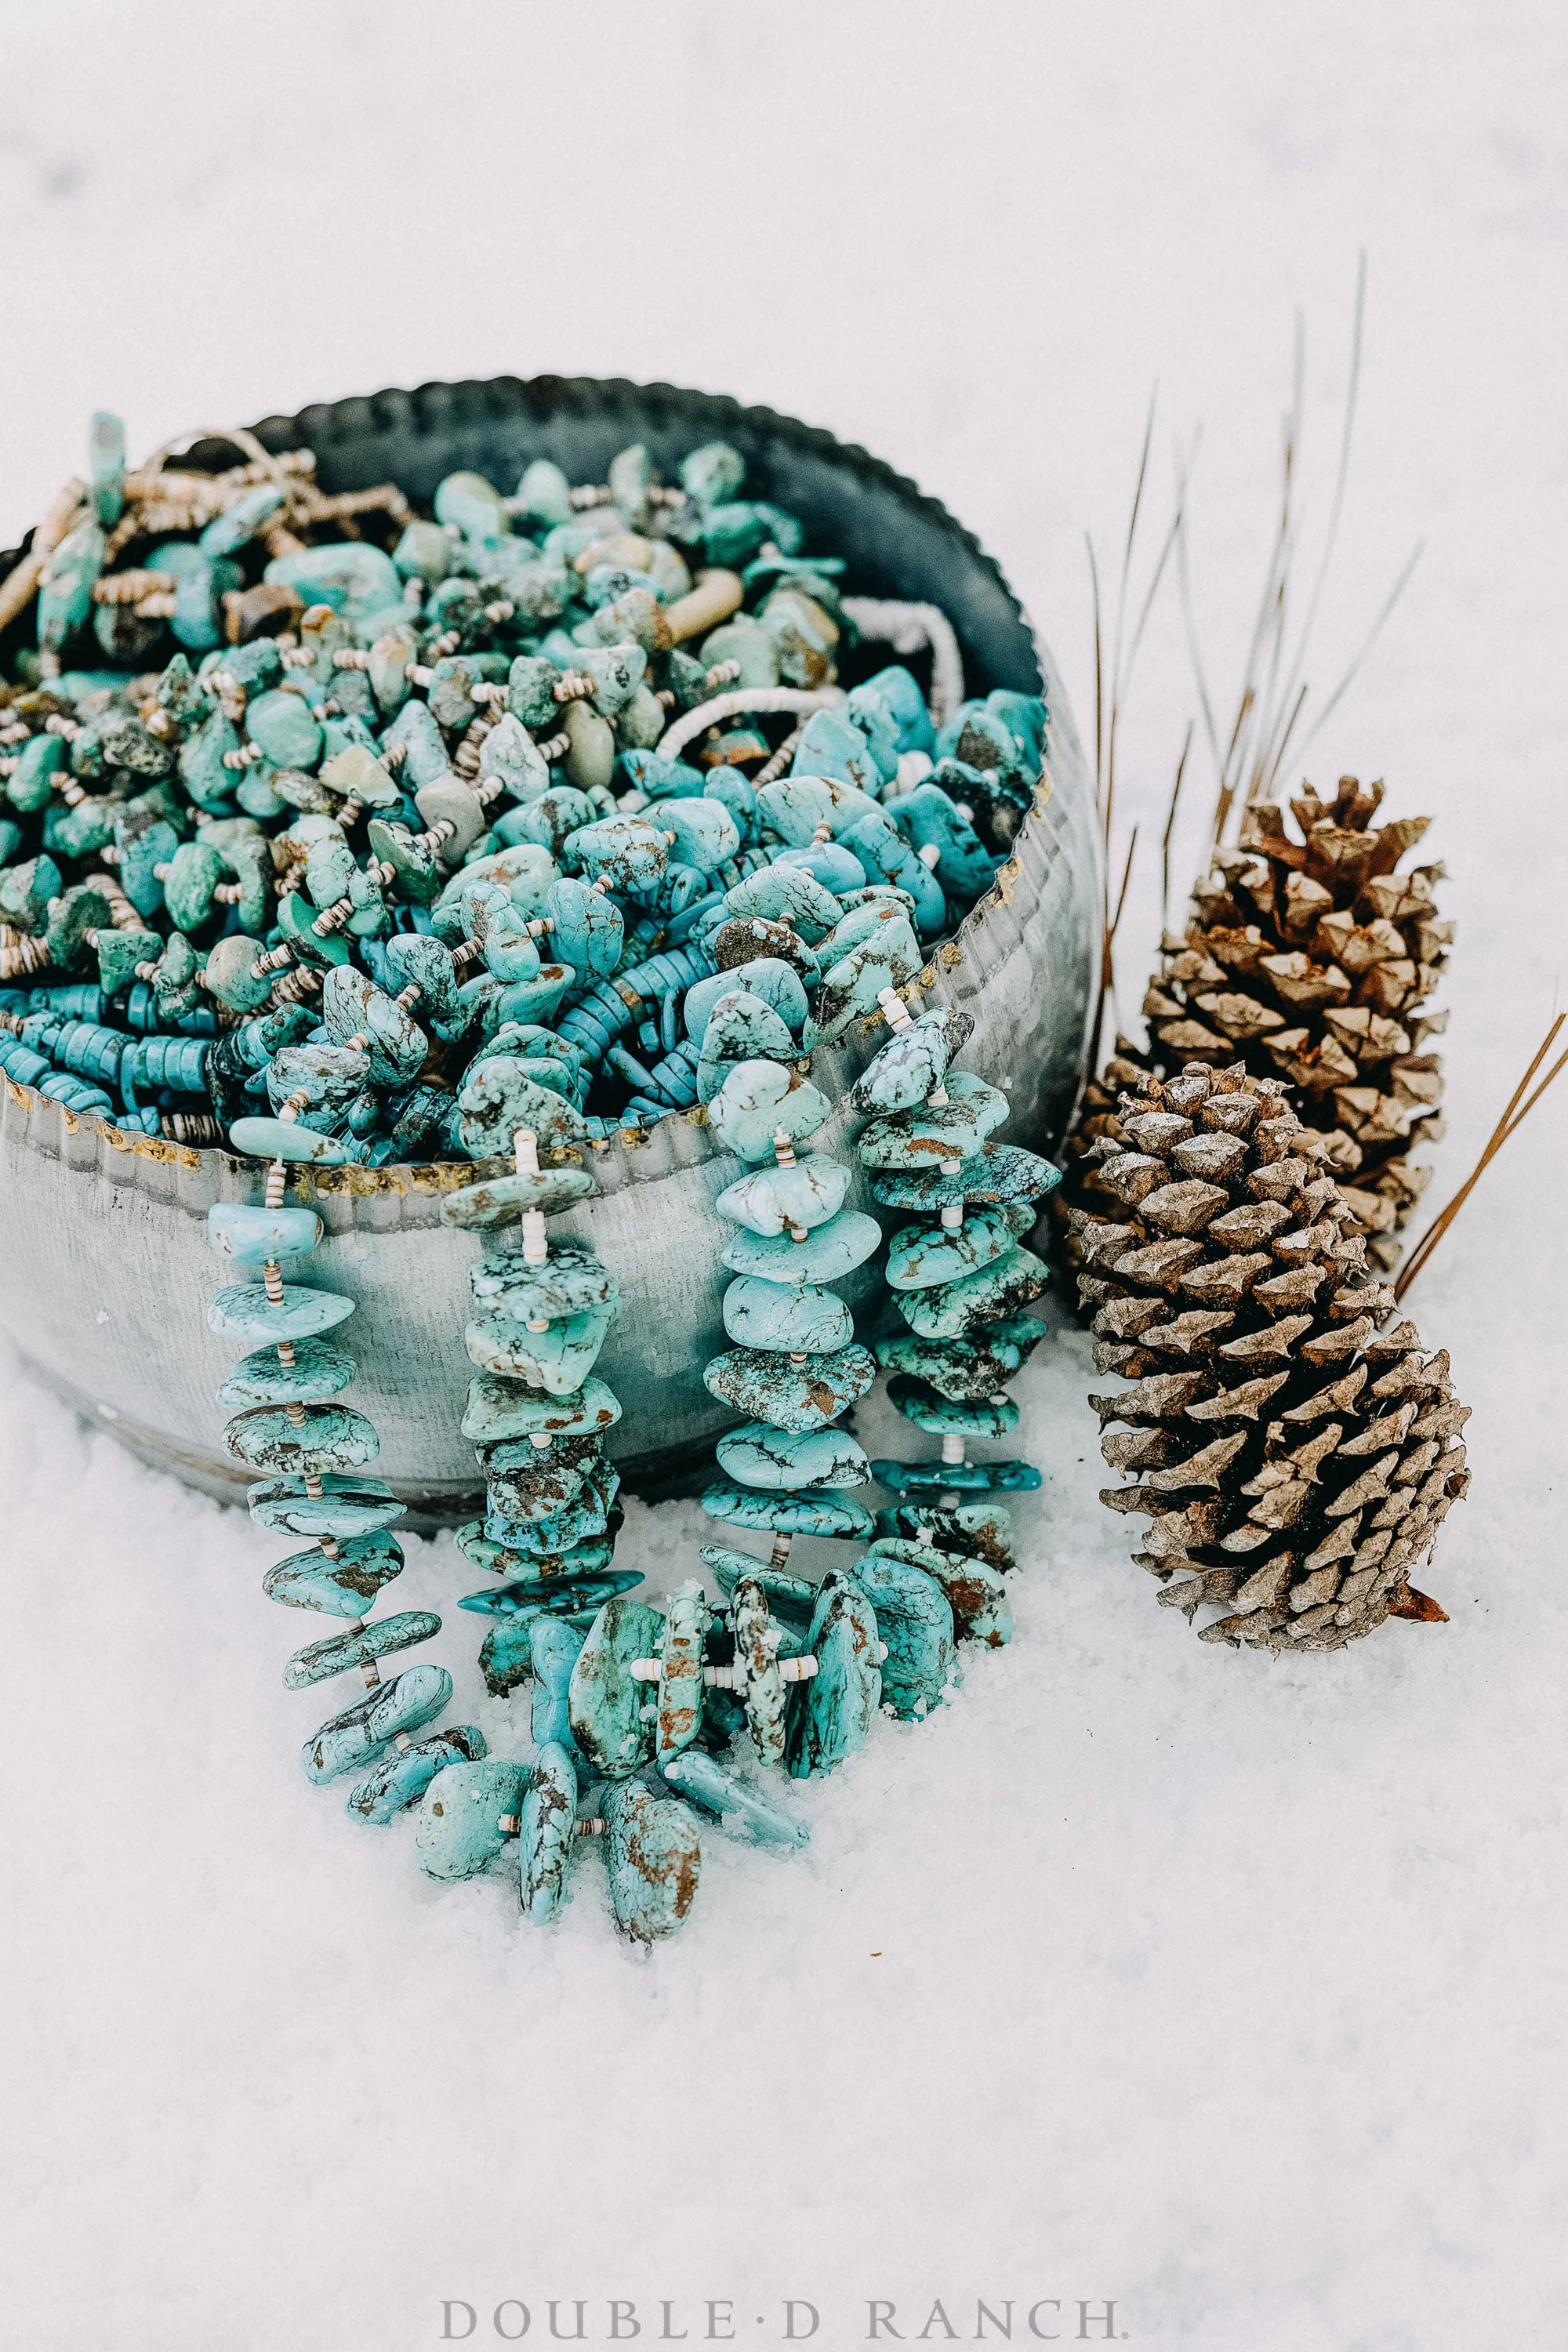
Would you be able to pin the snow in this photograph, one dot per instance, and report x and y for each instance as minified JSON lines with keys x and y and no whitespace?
{"x":1145,"y":1972}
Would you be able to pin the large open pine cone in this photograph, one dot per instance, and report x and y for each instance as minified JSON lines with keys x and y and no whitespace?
{"x":1294,"y":1448}
{"x":1309,"y":960}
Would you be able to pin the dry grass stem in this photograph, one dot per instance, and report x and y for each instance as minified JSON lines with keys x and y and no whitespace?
{"x":1520,"y":1104}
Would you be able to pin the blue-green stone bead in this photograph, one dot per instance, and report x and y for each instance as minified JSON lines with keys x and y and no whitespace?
{"x":741,"y":1028}
{"x":784,"y":1514}
{"x":402,"y":1777}
{"x":363,"y":1730}
{"x":977,"y":1531}
{"x":31,"y":785}
{"x":555,"y":1596}
{"x":560,"y":1530}
{"x":499,"y":1409}
{"x":243,"y":1310}
{"x":956,"y":1478}
{"x":556,"y":1647}
{"x":549,"y":1833}
{"x":790,"y":1598}
{"x":1002,"y":1172}
{"x":973,"y":1367}
{"x":502,"y":1200}
{"x":332,"y":1437}
{"x":777,"y":984}
{"x":501,"y":1560}
{"x":919,"y":1258}
{"x":606,"y":1704}
{"x":832,"y":745}
{"x":65,"y":589}
{"x":653,"y":1856}
{"x":909,"y":1065}
{"x":348,"y":575}
{"x":738,"y":1808}
{"x":955,"y":1129}
{"x":770,"y":1199}
{"x":897,"y":689}
{"x":793,"y":1397}
{"x":570,"y":1281}
{"x":927,"y":818}
{"x":760,"y":1099}
{"x":527,"y":1485}
{"x":557,"y":1360}
{"x":827,"y":1252}
{"x":346,"y":1506}
{"x":914,"y":1618}
{"x":759,"y":1456}
{"x":954,"y":1308}
{"x":321,"y":1659}
{"x":852,"y":988}
{"x":506,"y":1654}
{"x":976,"y":1591}
{"x":276,"y":1139}
{"x":253,"y":1236}
{"x":842,"y":1697}
{"x":797,"y":805}
{"x":939,"y":1416}
{"x":801,"y":1318}
{"x":456,"y":1831}
{"x":497,"y":1098}
{"x":706,"y":834}
{"x":342,"y":1586}
{"x":629,"y":851}
{"x":319,"y":1371}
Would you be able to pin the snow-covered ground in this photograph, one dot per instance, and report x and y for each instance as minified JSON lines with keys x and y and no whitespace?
{"x":1146,"y":1972}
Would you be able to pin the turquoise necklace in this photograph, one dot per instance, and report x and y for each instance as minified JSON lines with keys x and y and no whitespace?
{"x":635,"y":1705}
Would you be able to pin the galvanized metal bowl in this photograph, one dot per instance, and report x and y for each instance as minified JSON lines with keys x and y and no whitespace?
{"x":106,"y":1269}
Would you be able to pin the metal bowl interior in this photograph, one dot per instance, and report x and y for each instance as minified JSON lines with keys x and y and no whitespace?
{"x":108,"y":1266}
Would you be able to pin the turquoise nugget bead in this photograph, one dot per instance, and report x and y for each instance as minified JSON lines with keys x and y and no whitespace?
{"x":557,"y":1360}
{"x":793,"y":1397}
{"x":955,"y":1308}
{"x":760,"y":1456}
{"x":553,"y":1596}
{"x":942,"y":1416}
{"x":401,"y":1779}
{"x":831,"y":745}
{"x":346,"y":1506}
{"x":920,"y":1256}
{"x":800,"y":1319}
{"x":955,"y":1129}
{"x":653,"y":1856}
{"x":829,"y":1251}
{"x":785,"y":1514}
{"x":245,"y":1309}
{"x":277,"y":1139}
{"x":363,"y":1729}
{"x":770,"y":1199}
{"x":282,"y":725}
{"x":557,"y":1647}
{"x":336,"y":1655}
{"x":456,"y":1831}
{"x":759,"y":1100}
{"x":738,"y":1808}
{"x":914,"y":1618}
{"x":549,"y":1831}
{"x":345,"y":1586}
{"x":252,"y":1236}
{"x":843,"y":1695}
{"x":498,"y":1408}
{"x":332,"y":1437}
{"x":605,"y":1704}
{"x":958,"y":1477}
{"x":1002,"y":1172}
{"x":318,"y":1371}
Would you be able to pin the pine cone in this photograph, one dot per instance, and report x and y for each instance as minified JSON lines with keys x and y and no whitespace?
{"x":1295,"y":1449}
{"x":1309,"y":960}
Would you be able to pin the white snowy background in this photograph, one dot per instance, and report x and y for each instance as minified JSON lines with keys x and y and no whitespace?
{"x":1146,"y":1972}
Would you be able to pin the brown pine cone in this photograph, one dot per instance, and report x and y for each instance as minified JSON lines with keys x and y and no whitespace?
{"x":1294,"y":1448}
{"x":1309,"y":960}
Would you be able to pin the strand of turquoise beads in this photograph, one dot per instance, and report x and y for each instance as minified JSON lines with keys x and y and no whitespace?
{"x":801,"y":1667}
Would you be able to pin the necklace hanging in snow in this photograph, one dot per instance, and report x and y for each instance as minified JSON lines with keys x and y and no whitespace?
{"x":637,"y":1702}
